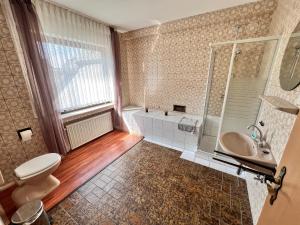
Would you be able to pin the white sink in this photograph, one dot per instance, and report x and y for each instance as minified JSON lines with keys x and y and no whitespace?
{"x":242,"y":146}
{"x":239,"y":144}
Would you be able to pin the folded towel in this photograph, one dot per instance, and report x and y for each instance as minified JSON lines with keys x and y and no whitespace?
{"x":188,"y":125}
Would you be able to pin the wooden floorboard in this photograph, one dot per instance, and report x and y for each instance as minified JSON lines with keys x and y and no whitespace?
{"x":80,"y":165}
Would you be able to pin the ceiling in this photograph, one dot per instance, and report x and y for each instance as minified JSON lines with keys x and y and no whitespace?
{"x":128,"y":15}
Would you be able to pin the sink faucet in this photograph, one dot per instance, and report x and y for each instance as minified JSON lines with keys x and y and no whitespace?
{"x":261,"y":142}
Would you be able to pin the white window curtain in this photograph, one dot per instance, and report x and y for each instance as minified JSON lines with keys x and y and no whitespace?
{"x":79,"y":51}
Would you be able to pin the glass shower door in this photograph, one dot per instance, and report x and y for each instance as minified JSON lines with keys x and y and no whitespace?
{"x":216,"y":85}
{"x":250,"y":69}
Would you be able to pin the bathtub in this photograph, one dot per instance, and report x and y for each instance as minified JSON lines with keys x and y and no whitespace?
{"x":160,"y":129}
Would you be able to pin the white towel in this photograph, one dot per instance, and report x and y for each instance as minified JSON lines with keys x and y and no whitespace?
{"x":188,"y":125}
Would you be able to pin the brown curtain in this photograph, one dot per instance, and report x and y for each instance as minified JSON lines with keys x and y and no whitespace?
{"x":117,"y":117}
{"x":39,"y":75}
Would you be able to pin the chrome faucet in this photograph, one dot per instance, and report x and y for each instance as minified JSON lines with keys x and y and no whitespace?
{"x":261,"y":142}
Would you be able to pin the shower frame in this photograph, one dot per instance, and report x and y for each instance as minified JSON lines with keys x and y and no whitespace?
{"x":234,"y":44}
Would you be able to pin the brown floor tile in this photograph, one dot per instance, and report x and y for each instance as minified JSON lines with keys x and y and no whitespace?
{"x":86,"y":188}
{"x":150,"y":184}
{"x":231,"y":215}
{"x":71,"y":200}
{"x":83,"y":212}
{"x":61,"y":217}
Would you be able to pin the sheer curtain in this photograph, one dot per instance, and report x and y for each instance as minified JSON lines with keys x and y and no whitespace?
{"x":117,"y":116}
{"x":79,"y":51}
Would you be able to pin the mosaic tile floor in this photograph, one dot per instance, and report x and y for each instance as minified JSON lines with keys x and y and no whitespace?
{"x":150,"y":184}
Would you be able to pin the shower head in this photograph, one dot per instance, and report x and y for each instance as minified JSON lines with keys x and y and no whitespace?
{"x":237,"y":52}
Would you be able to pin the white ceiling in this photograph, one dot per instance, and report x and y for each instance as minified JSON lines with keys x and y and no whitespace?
{"x":134,"y":14}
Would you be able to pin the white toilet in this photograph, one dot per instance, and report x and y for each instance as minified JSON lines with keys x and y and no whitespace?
{"x":34,"y":178}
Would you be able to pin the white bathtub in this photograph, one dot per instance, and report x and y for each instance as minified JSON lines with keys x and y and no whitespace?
{"x":161,"y":129}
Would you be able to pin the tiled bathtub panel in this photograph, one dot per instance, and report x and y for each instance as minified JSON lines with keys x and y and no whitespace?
{"x":168,"y":132}
{"x":157,"y":130}
{"x":148,"y":127}
{"x":179,"y":138}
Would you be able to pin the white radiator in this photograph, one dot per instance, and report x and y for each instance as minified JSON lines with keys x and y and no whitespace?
{"x":86,"y":130}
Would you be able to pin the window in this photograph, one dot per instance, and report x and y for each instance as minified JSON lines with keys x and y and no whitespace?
{"x":79,"y":51}
{"x":80,"y":75}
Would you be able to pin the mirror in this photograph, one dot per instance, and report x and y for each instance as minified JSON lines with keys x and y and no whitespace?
{"x":290,"y":67}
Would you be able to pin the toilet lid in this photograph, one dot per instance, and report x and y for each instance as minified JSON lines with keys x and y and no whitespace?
{"x":37,"y":165}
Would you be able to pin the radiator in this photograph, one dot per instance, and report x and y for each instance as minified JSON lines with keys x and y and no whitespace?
{"x":86,"y":130}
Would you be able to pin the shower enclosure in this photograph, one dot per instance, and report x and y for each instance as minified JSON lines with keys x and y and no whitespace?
{"x":238,"y":74}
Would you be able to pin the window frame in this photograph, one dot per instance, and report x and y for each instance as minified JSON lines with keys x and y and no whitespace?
{"x":76,"y":44}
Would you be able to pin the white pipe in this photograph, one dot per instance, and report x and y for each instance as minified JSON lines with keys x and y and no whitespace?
{"x":3,"y":185}
{"x":6,"y":186}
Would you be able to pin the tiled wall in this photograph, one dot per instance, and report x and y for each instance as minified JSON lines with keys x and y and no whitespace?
{"x":169,"y":62}
{"x":285,"y":19}
{"x":15,"y":109}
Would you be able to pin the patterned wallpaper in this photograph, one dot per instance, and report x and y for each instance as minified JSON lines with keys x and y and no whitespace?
{"x":15,"y":109}
{"x":167,"y":64}
{"x":278,"y":124}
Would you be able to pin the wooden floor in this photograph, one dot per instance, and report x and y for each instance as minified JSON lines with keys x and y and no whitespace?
{"x":80,"y":165}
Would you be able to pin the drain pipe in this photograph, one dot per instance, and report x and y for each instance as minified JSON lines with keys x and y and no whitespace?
{"x":4,"y":186}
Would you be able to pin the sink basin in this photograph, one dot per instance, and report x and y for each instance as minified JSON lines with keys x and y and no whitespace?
{"x":242,"y":146}
{"x":237,"y":143}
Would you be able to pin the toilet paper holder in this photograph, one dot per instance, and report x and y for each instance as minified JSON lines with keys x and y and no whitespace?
{"x":20,"y":131}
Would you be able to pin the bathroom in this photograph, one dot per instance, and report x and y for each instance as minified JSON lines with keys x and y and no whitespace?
{"x":152,"y":128}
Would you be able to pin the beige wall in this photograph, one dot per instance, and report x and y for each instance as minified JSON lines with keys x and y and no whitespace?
{"x":170,"y":62}
{"x":15,"y":109}
{"x":279,"y":124}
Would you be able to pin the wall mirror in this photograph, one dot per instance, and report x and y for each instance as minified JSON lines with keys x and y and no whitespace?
{"x":290,"y":67}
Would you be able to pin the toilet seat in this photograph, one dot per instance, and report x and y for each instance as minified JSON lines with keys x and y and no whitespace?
{"x":37,"y":165}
